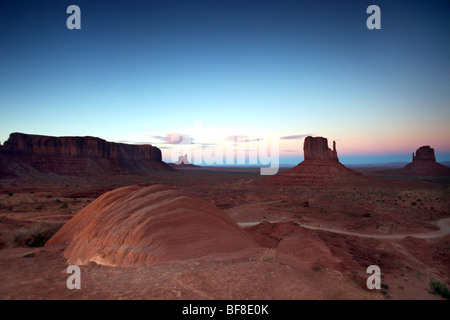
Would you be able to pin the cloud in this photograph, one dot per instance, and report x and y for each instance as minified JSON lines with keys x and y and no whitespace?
{"x":173,"y":138}
{"x":295,"y":136}
{"x":180,"y":138}
{"x":133,"y":142}
{"x":241,"y":138}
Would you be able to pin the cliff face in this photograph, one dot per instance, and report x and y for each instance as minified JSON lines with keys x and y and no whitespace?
{"x":424,"y":153}
{"x":24,"y":154}
{"x":24,"y":144}
{"x":317,"y":149}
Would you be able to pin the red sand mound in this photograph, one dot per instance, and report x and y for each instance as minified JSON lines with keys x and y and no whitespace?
{"x":146,"y":225}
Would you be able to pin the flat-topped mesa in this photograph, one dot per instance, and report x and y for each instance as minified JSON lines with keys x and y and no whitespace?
{"x":75,"y":147}
{"x":424,"y":153}
{"x":25,"y":155}
{"x":316,"y":148}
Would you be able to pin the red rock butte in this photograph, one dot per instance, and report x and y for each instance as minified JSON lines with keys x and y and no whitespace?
{"x":24,"y":154}
{"x":134,"y":225}
{"x":321,"y":165}
{"x":423,"y":164}
{"x":316,"y":148}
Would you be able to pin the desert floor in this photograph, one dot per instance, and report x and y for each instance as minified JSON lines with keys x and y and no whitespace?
{"x":316,"y":241}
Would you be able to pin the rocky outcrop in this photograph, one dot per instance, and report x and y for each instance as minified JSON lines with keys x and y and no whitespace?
{"x":182,"y":160}
{"x":182,"y":163}
{"x":423,"y":164}
{"x":316,"y":148}
{"x":321,"y":166}
{"x":77,"y":147}
{"x":134,"y":225}
{"x":425,"y":153}
{"x":24,"y":154}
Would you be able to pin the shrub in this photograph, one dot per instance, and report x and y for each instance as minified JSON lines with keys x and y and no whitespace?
{"x":64,"y":206}
{"x":269,"y":255}
{"x":438,"y":287}
{"x":10,"y":194}
{"x":34,"y":236}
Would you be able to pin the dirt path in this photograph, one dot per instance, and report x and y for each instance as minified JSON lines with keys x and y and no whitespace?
{"x":443,"y":224}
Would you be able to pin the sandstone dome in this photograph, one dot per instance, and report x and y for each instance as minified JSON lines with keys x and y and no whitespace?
{"x":136,"y":225}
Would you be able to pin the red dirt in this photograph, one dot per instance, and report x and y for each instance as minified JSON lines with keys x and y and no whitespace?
{"x":291,"y":262}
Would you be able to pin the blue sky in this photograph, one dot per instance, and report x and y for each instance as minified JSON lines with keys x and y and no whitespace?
{"x":141,"y":69}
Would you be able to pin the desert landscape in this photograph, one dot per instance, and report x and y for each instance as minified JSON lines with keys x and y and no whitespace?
{"x":195,"y":153}
{"x":142,"y":229}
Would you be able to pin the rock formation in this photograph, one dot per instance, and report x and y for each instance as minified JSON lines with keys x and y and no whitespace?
{"x":317,"y":149}
{"x":25,"y":144}
{"x":423,"y":164}
{"x":135,"y":225}
{"x":425,"y":153}
{"x":321,"y":165}
{"x":24,"y":153}
{"x":182,"y":160}
{"x":182,"y":163}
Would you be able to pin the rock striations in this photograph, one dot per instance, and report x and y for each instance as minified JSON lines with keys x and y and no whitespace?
{"x":134,"y":225}
{"x":321,"y":166}
{"x":75,"y":156}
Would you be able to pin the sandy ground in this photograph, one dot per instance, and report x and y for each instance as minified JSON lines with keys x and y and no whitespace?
{"x":294,"y":262}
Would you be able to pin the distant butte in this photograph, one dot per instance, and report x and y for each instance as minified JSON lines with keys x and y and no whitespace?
{"x":321,"y":165}
{"x":423,"y":164}
{"x":182,"y":163}
{"x":424,"y":153}
{"x":28,"y":155}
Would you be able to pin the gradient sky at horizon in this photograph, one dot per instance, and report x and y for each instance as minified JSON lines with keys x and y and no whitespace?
{"x":139,"y":70}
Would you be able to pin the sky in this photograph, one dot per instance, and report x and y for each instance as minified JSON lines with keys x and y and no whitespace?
{"x":213,"y":70}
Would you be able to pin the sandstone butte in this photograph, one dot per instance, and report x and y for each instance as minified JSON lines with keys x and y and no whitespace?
{"x":24,"y":154}
{"x":423,"y":164}
{"x":321,"y":165}
{"x":133,"y":226}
